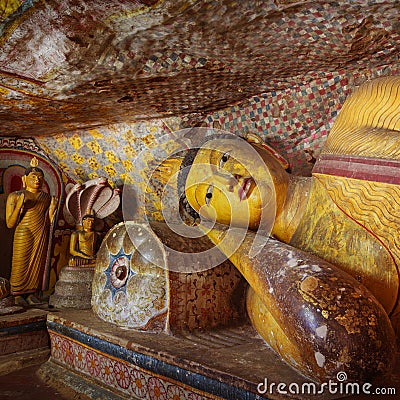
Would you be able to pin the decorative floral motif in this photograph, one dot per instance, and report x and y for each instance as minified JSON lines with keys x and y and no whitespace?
{"x":107,"y":370}
{"x":92,"y":363}
{"x":80,"y":357}
{"x":119,"y":375}
{"x":122,"y":376}
{"x":56,"y":347}
{"x":67,"y":352}
{"x":138,"y":384}
{"x":175,"y":393}
{"x":156,"y":389}
{"x":119,"y":271}
{"x":208,"y":298}
{"x":134,"y":291}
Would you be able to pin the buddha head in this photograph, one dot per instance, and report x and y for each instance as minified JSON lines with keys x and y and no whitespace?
{"x":88,"y":221}
{"x":235,"y":182}
{"x":33,"y":177}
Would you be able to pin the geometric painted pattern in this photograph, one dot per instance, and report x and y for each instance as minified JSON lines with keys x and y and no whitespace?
{"x":117,"y":375}
{"x":295,"y":121}
{"x":128,"y":289}
{"x":120,"y":259}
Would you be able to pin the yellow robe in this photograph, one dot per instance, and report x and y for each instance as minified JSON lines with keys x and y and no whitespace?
{"x":359,"y":170}
{"x":30,"y":246}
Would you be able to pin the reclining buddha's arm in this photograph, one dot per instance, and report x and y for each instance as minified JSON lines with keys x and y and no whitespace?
{"x":317,"y":317}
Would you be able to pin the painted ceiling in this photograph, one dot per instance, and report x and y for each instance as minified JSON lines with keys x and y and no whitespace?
{"x":70,"y":65}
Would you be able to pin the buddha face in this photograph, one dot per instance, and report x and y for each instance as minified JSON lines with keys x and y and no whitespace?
{"x":229,"y":183}
{"x":34,"y":181}
{"x":88,"y":224}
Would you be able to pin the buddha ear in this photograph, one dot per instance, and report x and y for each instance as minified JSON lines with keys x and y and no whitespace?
{"x":253,"y":138}
{"x":23,"y":177}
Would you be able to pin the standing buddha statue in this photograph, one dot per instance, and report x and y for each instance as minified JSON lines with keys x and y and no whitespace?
{"x":31,"y":211}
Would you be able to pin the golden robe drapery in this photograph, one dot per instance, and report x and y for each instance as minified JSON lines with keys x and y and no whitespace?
{"x":30,"y":246}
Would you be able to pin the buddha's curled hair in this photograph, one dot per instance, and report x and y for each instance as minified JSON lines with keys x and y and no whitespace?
{"x":33,"y":169}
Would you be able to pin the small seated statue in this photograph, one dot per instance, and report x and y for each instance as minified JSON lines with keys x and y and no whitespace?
{"x":87,"y":205}
{"x":84,"y":244}
{"x":347,"y":213}
{"x":73,"y":288}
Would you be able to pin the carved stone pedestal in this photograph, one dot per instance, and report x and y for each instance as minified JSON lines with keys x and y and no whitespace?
{"x":74,"y":288}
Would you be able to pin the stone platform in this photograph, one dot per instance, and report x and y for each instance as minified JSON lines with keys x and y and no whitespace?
{"x":23,"y":339}
{"x":23,"y":331}
{"x":106,"y":362}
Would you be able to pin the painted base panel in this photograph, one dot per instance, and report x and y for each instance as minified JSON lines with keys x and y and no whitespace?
{"x":225,"y":363}
{"x":106,"y":362}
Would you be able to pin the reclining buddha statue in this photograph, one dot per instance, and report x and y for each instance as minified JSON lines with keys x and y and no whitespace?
{"x":324,"y":290}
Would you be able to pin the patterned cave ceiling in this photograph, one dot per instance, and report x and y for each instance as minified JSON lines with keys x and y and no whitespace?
{"x":82,"y":64}
{"x":96,"y":82}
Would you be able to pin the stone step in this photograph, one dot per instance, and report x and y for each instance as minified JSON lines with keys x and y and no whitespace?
{"x":73,"y":275}
{"x":82,"y":302}
{"x":69,"y":288}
